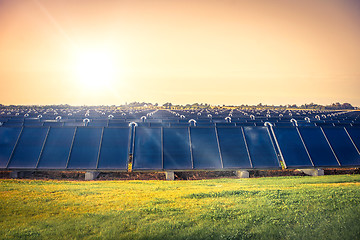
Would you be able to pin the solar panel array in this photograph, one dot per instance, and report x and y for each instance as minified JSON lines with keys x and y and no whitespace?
{"x":164,"y":140}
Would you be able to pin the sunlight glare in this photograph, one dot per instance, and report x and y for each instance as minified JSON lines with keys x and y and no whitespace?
{"x":95,"y":69}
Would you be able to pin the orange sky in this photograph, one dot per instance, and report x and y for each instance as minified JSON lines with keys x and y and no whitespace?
{"x":218,"y":52}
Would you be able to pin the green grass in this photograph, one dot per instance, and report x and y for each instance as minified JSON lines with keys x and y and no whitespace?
{"x":325,"y":207}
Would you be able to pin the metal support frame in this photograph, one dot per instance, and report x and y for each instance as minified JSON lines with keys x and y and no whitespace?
{"x":247,"y":147}
{"x":191,"y":153}
{"x":42,"y":148}
{"x":100,"y":144}
{"x":218,"y":143}
{"x":271,"y":132}
{"x":162,"y":146}
{"x":327,"y":140}
{"x":358,"y":150}
{"x":71,"y":148}
{"x":307,"y":151}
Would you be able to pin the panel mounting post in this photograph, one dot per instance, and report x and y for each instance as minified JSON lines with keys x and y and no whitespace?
{"x":242,"y":174}
{"x":170,"y":176}
{"x":91,"y":175}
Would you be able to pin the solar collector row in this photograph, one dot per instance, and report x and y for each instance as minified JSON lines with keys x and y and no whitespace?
{"x":154,"y":148}
{"x":64,"y":148}
{"x":203,"y":148}
{"x":318,"y":146}
{"x":180,"y":148}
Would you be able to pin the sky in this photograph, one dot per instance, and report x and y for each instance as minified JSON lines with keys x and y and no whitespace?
{"x":233,"y":52}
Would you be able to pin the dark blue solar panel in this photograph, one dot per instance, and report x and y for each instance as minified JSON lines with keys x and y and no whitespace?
{"x":179,"y":124}
{"x":205,"y":148}
{"x":27,"y":151}
{"x":85,"y":150}
{"x":8,"y":138}
{"x":119,"y":124}
{"x":57,"y":148}
{"x":53,"y":124}
{"x":261,"y":149}
{"x":233,"y":148}
{"x":114,"y":148}
{"x":343,"y":147}
{"x":355,"y":136}
{"x":291,"y":147}
{"x":147,"y":148}
{"x":98,"y":123}
{"x":177,"y":153}
{"x":13,"y":124}
{"x":74,"y":124}
{"x":318,"y":148}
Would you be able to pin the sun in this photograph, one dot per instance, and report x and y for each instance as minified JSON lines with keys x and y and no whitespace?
{"x":95,"y":69}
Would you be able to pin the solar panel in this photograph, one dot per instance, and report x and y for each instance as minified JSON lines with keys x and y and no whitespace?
{"x":33,"y":124}
{"x":318,"y":148}
{"x":13,"y":124}
{"x":291,"y":147}
{"x":53,"y":124}
{"x":205,"y":148}
{"x":114,"y":148}
{"x":233,"y":148}
{"x":261,"y":149}
{"x":147,"y":148}
{"x":28,"y":148}
{"x":177,"y":153}
{"x":74,"y":124}
{"x":355,"y":136}
{"x":98,"y":123}
{"x":57,"y":148}
{"x":343,"y":147}
{"x":8,"y":138}
{"x":118,"y":124}
{"x":85,"y":150}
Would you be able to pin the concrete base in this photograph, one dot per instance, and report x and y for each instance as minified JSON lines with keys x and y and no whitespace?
{"x":170,"y":176}
{"x":242,"y":174}
{"x":313,"y":172}
{"x":91,"y":175}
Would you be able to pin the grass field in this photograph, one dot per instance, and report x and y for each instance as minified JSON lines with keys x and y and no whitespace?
{"x":326,"y":207}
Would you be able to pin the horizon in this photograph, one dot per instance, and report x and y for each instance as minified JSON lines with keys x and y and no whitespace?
{"x":288,"y":106}
{"x":222,"y":53}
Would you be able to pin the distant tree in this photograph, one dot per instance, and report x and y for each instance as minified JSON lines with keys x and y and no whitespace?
{"x":338,"y":106}
{"x":167,"y":105}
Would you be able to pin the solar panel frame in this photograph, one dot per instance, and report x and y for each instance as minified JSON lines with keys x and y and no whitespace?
{"x":198,"y":157}
{"x":84,"y":145}
{"x":28,"y":149}
{"x":115,"y":150}
{"x":181,"y":143}
{"x":291,"y":147}
{"x":228,"y":157}
{"x":7,"y":146}
{"x":318,"y":147}
{"x":252,"y":145}
{"x":140,"y":157}
{"x":55,"y":147}
{"x":354,"y":134}
{"x":342,"y":150}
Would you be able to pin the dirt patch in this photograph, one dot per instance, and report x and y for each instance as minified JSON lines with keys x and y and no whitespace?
{"x":341,"y":171}
{"x":189,"y":175}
